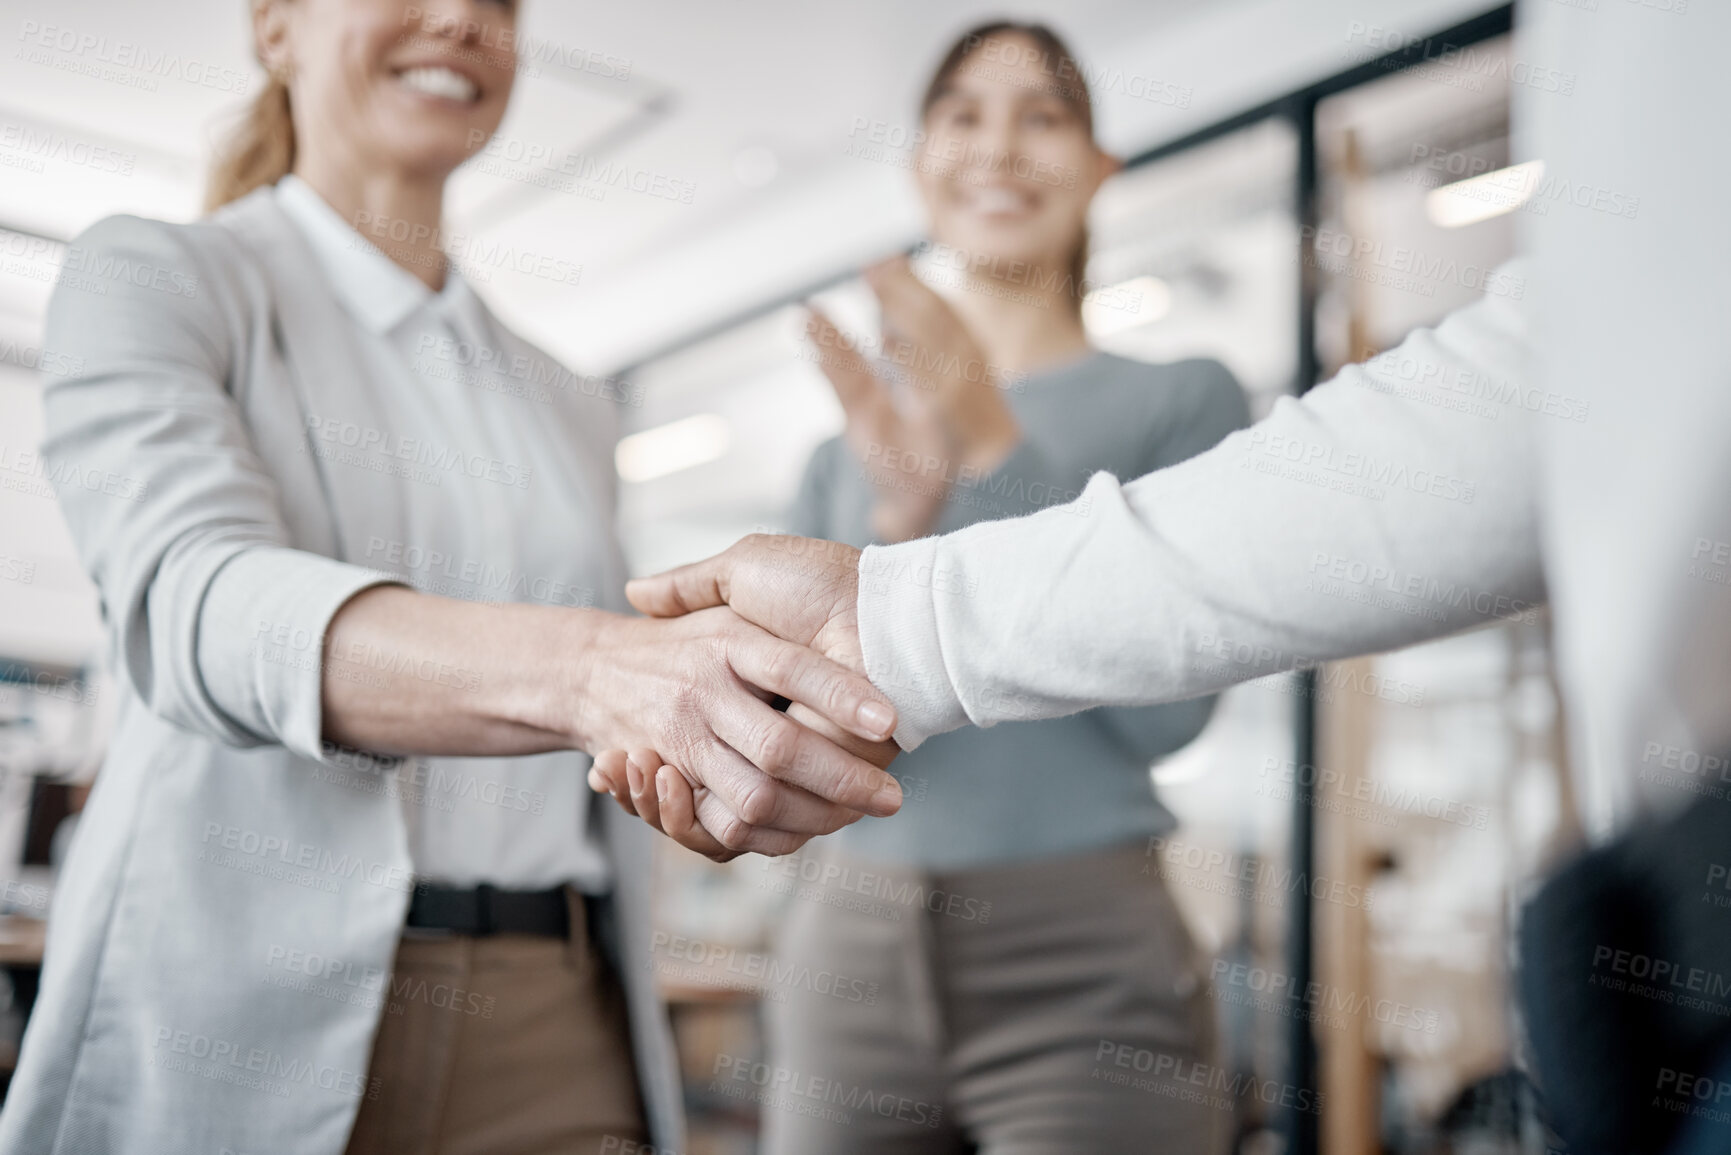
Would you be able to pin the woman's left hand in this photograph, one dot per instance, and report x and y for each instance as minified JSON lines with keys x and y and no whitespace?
{"x":645,"y":787}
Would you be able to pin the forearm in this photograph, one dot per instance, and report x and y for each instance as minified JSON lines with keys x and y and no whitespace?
{"x":411,"y":673}
{"x":1223,"y":568}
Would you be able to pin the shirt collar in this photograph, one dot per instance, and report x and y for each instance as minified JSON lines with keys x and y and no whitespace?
{"x":380,"y":293}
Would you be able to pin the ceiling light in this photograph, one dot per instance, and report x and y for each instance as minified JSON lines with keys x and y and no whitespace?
{"x":1479,"y":198}
{"x":670,"y":448}
{"x":1127,"y":305}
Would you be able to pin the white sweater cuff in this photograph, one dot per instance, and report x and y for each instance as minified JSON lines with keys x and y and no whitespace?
{"x":898,"y":629}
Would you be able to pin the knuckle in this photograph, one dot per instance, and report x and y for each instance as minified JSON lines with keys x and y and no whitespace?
{"x":778,"y":743}
{"x":735,"y":834}
{"x":758,"y":805}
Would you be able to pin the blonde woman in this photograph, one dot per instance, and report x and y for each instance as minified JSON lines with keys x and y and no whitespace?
{"x":340,"y":886}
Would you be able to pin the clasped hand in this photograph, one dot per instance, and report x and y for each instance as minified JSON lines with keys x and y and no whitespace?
{"x":803,"y":591}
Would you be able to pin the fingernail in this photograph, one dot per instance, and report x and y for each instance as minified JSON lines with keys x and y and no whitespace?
{"x":877,"y":717}
{"x":889,"y":798}
{"x":633,"y":777}
{"x":661,"y":787}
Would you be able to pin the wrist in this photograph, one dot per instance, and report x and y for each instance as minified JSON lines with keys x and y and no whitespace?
{"x":563,"y":684}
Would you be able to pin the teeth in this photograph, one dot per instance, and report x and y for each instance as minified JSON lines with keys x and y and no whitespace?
{"x":1000,"y":200}
{"x":438,"y":81}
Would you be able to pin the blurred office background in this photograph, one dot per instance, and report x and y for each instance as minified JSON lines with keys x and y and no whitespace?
{"x":673,"y":179}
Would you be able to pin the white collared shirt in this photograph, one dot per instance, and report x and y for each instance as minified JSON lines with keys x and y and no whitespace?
{"x":512,"y":532}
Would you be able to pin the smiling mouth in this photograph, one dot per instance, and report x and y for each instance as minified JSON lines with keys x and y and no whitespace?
{"x":443,"y":83}
{"x":999,"y":201}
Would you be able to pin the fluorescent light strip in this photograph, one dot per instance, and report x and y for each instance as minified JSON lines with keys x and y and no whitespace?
{"x":1479,"y":198}
{"x":1127,"y":305}
{"x":672,"y":448}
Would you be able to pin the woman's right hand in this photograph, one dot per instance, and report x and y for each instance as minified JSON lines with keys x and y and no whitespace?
{"x":694,"y":689}
{"x":412,"y":673}
{"x":948,"y":423}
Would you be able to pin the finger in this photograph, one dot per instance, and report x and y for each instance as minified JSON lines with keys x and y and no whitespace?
{"x":724,"y":825}
{"x":911,"y":308}
{"x":640,"y":767}
{"x":606,"y":767}
{"x":688,"y":588}
{"x":678,"y":807}
{"x":802,"y":675}
{"x":607,"y":775}
{"x":754,"y":798}
{"x":850,"y":375}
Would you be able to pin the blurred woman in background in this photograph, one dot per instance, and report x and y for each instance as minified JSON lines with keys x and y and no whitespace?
{"x":1007,"y":919}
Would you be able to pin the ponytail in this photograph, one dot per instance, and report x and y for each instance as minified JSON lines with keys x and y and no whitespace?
{"x":259,"y":152}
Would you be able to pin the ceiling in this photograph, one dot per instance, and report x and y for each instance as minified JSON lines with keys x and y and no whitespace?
{"x":738,"y":124}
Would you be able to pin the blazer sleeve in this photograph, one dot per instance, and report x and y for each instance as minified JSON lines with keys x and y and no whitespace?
{"x":216,"y":622}
{"x":1269,"y":552}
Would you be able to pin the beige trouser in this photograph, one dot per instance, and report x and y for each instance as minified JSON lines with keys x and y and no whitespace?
{"x":505,"y":1045}
{"x":1043,"y":1008}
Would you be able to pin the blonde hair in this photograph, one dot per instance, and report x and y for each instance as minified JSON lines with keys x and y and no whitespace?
{"x":259,"y":151}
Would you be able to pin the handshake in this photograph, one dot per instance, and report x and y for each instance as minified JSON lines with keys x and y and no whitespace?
{"x":820,"y":765}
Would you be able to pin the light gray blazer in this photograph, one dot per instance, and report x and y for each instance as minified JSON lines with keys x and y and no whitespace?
{"x":210,"y":847}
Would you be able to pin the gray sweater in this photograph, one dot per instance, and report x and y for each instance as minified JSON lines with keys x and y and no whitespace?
{"x":1032,"y":790}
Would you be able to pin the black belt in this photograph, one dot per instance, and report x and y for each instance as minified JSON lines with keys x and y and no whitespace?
{"x":485,"y":910}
